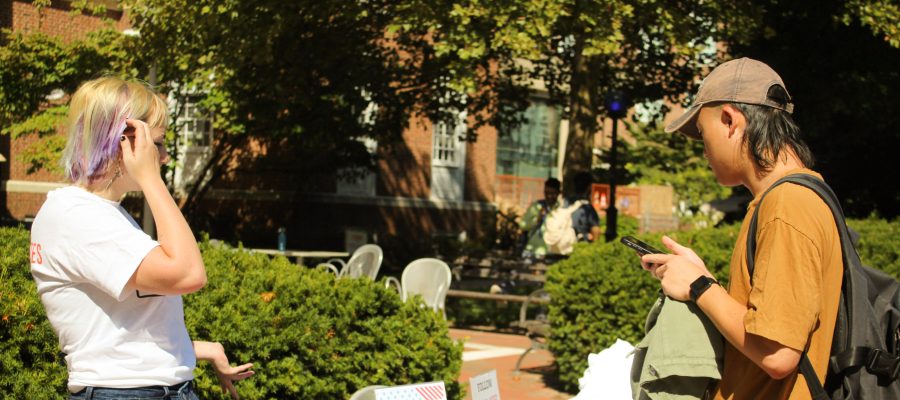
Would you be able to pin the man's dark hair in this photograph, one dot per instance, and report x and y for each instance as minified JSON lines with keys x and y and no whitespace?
{"x":582,"y":181}
{"x":771,"y":131}
{"x":552,"y":183}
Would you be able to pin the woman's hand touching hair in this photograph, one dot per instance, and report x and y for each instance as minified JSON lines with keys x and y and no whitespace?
{"x":139,"y":153}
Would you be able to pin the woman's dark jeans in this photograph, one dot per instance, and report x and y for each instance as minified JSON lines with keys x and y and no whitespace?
{"x":181,"y":391}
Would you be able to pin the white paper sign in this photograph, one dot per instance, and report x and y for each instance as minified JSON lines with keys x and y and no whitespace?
{"x":419,"y":391}
{"x":484,"y":386}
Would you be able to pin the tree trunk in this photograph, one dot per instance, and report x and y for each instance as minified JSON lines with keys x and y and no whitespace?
{"x":211,"y":171}
{"x":582,"y":119}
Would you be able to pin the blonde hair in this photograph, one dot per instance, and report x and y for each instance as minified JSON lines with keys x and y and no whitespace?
{"x":97,"y":114}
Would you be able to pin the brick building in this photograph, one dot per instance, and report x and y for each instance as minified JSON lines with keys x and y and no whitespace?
{"x":22,"y":192}
{"x":428,"y":185}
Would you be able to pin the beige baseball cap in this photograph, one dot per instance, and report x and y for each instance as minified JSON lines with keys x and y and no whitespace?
{"x":743,"y":80}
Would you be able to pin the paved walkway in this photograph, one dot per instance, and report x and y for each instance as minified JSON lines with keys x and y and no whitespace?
{"x":486,"y":351}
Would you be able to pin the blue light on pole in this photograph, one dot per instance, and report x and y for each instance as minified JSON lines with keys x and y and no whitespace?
{"x":617,"y":104}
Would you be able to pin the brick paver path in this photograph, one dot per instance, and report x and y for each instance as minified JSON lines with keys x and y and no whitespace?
{"x":485,"y":351}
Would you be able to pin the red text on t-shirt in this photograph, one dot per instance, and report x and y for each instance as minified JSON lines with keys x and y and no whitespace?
{"x":36,"y":257}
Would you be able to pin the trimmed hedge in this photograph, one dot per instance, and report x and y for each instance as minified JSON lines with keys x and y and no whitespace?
{"x":309,"y":335}
{"x":879,"y":243}
{"x":31,"y":366}
{"x":312,"y":336}
{"x":600,"y":292}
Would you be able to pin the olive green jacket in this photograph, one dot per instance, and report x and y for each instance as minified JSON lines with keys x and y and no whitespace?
{"x":681,"y":355}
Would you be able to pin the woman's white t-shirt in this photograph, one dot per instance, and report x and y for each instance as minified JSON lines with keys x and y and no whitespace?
{"x":84,"y":249}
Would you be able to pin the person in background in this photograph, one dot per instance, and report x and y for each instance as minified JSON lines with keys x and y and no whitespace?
{"x":112,"y":293}
{"x":532,"y":222}
{"x":585,"y":220}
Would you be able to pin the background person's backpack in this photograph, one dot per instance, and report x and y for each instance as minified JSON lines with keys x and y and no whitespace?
{"x":559,"y":235}
{"x":865,"y":352}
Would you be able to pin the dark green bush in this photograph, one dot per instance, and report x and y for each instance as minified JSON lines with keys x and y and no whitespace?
{"x":600,"y":293}
{"x":879,"y":243}
{"x":309,"y":335}
{"x":474,"y":312}
{"x":31,"y":366}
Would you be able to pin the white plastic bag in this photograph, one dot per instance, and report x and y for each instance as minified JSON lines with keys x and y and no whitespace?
{"x":608,"y":375}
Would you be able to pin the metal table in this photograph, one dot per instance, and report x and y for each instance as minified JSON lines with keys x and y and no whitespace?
{"x":299,"y":255}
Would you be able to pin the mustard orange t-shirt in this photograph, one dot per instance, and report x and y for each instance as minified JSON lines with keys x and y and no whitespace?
{"x":794,"y":295}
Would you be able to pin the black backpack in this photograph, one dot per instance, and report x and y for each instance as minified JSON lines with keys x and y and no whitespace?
{"x":865,"y":352}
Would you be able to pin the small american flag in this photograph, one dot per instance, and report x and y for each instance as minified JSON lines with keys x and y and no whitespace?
{"x":421,"y":391}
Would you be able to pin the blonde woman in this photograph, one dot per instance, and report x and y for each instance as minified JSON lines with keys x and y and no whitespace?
{"x":112,"y":293}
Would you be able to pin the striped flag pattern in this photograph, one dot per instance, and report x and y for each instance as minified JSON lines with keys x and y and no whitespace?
{"x":432,"y":392}
{"x":423,"y":391}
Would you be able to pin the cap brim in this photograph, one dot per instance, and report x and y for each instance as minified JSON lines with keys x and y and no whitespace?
{"x":685,"y":123}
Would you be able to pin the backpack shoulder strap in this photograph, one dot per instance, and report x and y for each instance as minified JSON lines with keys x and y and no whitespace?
{"x":827,"y":195}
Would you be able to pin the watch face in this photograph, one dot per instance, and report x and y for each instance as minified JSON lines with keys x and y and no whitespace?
{"x":700,"y":285}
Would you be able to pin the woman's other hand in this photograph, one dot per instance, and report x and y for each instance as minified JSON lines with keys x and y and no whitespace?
{"x":214,"y":352}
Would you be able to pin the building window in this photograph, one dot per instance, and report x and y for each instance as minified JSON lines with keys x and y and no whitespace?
{"x":194,"y":135}
{"x":528,"y":155}
{"x":194,"y":126}
{"x":363,"y":183}
{"x":448,"y":159}
{"x":448,"y":147}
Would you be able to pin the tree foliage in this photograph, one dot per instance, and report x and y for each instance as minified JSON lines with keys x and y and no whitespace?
{"x":881,"y":16}
{"x":311,"y":78}
{"x":34,"y":67}
{"x":661,"y":158}
{"x":839,"y":61}
{"x":581,"y":50}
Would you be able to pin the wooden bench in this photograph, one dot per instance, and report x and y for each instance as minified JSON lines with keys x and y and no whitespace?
{"x":469,"y":294}
{"x":499,"y":269}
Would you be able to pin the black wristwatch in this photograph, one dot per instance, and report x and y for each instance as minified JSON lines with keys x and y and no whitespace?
{"x":700,"y":285}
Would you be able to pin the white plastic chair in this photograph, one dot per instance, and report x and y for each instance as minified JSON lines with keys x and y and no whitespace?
{"x":365,"y":261}
{"x":393,"y":283}
{"x":429,"y":278}
{"x":366,"y":393}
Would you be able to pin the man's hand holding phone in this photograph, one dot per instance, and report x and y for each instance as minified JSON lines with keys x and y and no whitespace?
{"x":641,"y":247}
{"x":675,"y":271}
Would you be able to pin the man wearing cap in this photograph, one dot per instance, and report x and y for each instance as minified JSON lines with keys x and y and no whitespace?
{"x":742,"y":114}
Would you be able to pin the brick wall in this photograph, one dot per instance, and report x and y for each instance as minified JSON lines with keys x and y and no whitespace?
{"x":22,"y":205}
{"x":481,"y":166}
{"x":405,"y":166}
{"x":58,"y":20}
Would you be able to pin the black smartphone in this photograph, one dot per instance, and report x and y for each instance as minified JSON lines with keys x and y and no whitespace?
{"x":639,"y":246}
